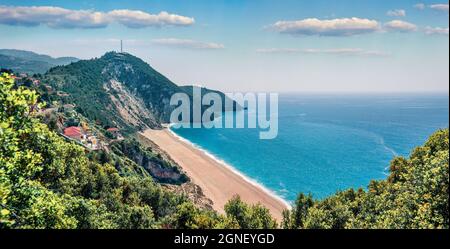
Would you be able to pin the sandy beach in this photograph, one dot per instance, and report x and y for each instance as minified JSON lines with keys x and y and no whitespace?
{"x":218,"y":182}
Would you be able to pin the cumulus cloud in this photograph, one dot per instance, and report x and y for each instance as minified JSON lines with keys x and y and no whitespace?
{"x":440,"y":7}
{"x":335,"y":51}
{"x":332,"y":27}
{"x":400,"y":26}
{"x":396,"y":13}
{"x":436,"y":31}
{"x":56,"y":17}
{"x":140,"y":19}
{"x":189,"y":44}
{"x":419,"y":6}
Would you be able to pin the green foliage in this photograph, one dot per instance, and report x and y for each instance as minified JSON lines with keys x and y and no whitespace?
{"x":296,"y":218}
{"x":46,"y":182}
{"x":415,"y":195}
{"x":160,"y":169}
{"x":85,"y":82}
{"x":17,"y":163}
{"x":249,"y":216}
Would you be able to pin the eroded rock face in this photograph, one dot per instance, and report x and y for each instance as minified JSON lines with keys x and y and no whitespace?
{"x":162,"y":170}
{"x":117,"y":89}
{"x":193,"y":192}
{"x":189,"y":189}
{"x":142,"y":82}
{"x":130,"y":107}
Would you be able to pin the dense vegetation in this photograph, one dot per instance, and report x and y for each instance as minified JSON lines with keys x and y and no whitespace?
{"x":85,"y":83}
{"x":46,"y":182}
{"x":160,"y":170}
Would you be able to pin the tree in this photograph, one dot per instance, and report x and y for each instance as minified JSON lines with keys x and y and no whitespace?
{"x":47,"y":182}
{"x":299,"y":214}
{"x":249,"y":217}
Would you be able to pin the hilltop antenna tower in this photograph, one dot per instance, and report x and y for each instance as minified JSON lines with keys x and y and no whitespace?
{"x":121,"y":46}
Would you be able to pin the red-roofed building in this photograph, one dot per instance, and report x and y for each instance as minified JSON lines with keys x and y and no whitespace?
{"x":73,"y":132}
{"x":115,"y":132}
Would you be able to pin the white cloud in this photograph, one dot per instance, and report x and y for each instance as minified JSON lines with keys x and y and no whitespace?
{"x":56,"y":17}
{"x":332,"y":27}
{"x":396,"y":13}
{"x":400,"y":26}
{"x":335,"y":51}
{"x":441,"y":7}
{"x":140,"y":19}
{"x":436,"y":31}
{"x":190,"y":44}
{"x":419,"y":6}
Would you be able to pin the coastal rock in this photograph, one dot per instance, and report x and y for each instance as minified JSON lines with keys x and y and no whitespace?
{"x":193,"y":192}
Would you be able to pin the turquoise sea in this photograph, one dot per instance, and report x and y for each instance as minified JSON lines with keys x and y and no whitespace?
{"x":327,"y":143}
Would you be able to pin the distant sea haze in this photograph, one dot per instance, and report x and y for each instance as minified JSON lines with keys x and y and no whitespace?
{"x":327,"y":143}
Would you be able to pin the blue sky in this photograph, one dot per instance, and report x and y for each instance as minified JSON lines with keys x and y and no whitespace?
{"x":259,"y":45}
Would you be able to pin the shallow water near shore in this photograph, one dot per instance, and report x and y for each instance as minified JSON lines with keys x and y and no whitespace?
{"x":327,"y":143}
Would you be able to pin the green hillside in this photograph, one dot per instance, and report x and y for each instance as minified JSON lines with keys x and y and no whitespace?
{"x":223,"y":97}
{"x":32,"y":56}
{"x":23,"y":65}
{"x":117,"y":89}
{"x":114,"y":90}
{"x":29,"y":62}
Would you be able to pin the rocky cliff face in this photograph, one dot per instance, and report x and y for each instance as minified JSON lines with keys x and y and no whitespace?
{"x":118,"y":89}
{"x":130,"y":107}
{"x":142,"y":81}
{"x":160,"y":167}
{"x":192,"y":192}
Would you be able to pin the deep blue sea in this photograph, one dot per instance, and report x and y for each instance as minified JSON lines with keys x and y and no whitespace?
{"x":327,"y":143}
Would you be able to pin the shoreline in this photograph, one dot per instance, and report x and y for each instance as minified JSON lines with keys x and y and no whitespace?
{"x":218,"y":180}
{"x":232,"y":168}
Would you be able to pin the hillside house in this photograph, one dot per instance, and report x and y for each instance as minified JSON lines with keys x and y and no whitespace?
{"x":115,"y":132}
{"x":83,"y":137}
{"x":75,"y":132}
